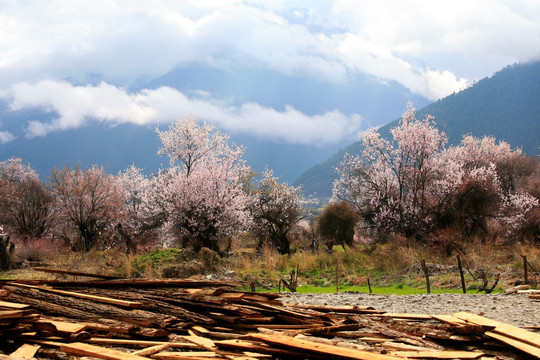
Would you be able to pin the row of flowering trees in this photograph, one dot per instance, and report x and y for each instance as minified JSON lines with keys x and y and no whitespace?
{"x":206,"y":197}
{"x":414,"y":186}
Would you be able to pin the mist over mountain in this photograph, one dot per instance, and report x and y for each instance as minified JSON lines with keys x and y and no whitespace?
{"x":117,"y":146}
{"x":505,"y":105}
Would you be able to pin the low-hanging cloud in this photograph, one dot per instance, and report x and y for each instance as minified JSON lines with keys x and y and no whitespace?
{"x":76,"y":106}
{"x":432,"y":48}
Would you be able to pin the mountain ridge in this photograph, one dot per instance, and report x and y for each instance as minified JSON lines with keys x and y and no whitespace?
{"x":505,"y":105}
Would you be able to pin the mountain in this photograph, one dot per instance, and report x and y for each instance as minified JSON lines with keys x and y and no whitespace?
{"x":505,"y":105}
{"x":118,"y":146}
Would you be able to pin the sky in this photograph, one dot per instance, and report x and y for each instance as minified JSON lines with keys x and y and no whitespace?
{"x":80,"y":59}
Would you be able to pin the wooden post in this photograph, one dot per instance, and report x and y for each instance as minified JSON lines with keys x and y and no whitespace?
{"x":525,"y":274}
{"x":337,"y":279}
{"x":426,"y":274}
{"x":461,"y":274}
{"x":369,"y":286}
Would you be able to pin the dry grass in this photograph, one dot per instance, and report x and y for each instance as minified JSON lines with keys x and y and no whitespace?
{"x":388,"y":264}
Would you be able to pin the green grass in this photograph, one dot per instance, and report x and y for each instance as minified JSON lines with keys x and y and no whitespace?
{"x":386,"y":290}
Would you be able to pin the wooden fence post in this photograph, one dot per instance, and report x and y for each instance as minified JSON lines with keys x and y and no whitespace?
{"x":461,"y":274}
{"x":426,"y":274}
{"x":525,"y":274}
{"x":369,"y":285}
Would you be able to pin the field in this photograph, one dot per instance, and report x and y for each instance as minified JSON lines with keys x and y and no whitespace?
{"x":390,"y":268}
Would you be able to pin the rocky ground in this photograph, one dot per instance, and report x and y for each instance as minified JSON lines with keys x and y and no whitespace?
{"x":514,"y":309}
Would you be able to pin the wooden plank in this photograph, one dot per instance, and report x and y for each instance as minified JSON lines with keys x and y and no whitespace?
{"x":529,"y":349}
{"x":13,"y":305}
{"x":338,"y":309}
{"x":449,"y":319}
{"x":101,"y":299}
{"x":63,"y":326}
{"x":141,"y":343}
{"x":250,"y":347}
{"x":308,"y":347}
{"x":11,"y":314}
{"x":232,"y":296}
{"x":152,"y":350}
{"x":74,"y":273}
{"x":200,"y":341}
{"x":189,"y":355}
{"x":502,"y":328}
{"x":81,"y":349}
{"x":405,"y":316}
{"x":274,"y":326}
{"x":438,"y":354}
{"x":26,"y":351}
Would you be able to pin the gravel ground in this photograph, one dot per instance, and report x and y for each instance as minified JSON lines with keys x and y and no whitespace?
{"x":514,"y":309}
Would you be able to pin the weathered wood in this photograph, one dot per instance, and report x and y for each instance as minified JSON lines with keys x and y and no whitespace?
{"x":139,"y":317}
{"x":25,"y":351}
{"x":75,"y":273}
{"x":461,"y":275}
{"x":385,"y":330}
{"x":449,"y":319}
{"x":426,"y":275}
{"x":141,"y":343}
{"x":520,"y":345}
{"x":405,"y":316}
{"x":250,"y":346}
{"x":81,"y":349}
{"x":12,"y":314}
{"x":338,"y":309}
{"x":62,"y":326}
{"x":439,"y":354}
{"x":191,"y":355}
{"x":309,"y":347}
{"x":152,"y":350}
{"x":12,"y":305}
{"x":101,"y":299}
{"x":502,"y":328}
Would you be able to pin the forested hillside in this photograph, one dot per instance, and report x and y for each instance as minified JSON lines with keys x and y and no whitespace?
{"x":505,"y":105}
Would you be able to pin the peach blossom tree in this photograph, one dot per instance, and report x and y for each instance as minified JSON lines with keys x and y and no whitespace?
{"x":202,"y":191}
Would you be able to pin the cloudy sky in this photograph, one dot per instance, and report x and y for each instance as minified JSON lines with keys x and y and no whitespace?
{"x":80,"y":58}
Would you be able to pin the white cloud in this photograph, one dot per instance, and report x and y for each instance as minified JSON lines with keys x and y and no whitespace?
{"x":125,"y":42}
{"x":77,"y":105}
{"x":433,"y":48}
{"x":6,"y":136}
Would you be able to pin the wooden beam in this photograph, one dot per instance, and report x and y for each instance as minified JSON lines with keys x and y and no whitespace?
{"x":438,"y":354}
{"x":310,"y":347}
{"x":529,"y":349}
{"x":26,"y":351}
{"x":74,"y":273}
{"x":81,"y":349}
{"x":12,"y":305}
{"x":101,"y":299}
{"x":63,"y":326}
{"x":501,"y":328}
{"x":152,"y":350}
{"x":140,"y":343}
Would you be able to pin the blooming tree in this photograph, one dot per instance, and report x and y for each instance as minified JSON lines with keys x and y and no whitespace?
{"x":202,"y":192}
{"x":479,"y":183}
{"x":412,"y":185}
{"x":275,"y":209}
{"x":25,"y":205}
{"x":390,"y":183}
{"x":89,"y":200}
{"x":143,"y":211}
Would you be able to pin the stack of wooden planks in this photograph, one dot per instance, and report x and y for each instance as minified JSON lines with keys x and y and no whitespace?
{"x":183,"y":319}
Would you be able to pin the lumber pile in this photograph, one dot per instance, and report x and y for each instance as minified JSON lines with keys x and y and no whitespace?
{"x":183,"y":319}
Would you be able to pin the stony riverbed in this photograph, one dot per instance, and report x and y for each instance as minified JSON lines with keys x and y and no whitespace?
{"x":514,"y":309}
